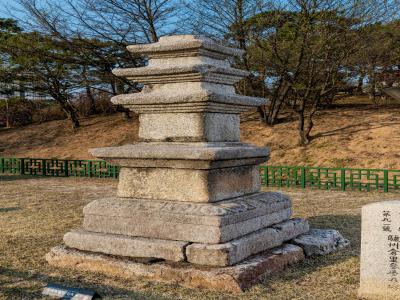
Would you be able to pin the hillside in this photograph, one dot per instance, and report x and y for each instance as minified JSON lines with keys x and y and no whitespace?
{"x":348,"y":135}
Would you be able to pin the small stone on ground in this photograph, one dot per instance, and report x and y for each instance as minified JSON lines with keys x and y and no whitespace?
{"x":321,"y":242}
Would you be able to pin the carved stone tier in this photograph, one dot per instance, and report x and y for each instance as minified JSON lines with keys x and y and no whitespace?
{"x":183,"y":155}
{"x":190,"y":172}
{"x":188,"y":93}
{"x":193,"y":222}
{"x":224,"y":254}
{"x":183,"y":46}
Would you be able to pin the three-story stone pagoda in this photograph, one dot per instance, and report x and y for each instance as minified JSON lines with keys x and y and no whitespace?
{"x":188,"y":208}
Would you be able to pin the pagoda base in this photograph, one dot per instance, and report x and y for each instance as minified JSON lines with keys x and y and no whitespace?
{"x":235,"y":278}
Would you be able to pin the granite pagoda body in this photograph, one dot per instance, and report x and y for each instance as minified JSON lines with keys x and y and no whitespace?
{"x":189,"y":190}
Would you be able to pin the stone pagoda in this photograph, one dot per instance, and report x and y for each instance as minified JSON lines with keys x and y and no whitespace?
{"x":188,"y":208}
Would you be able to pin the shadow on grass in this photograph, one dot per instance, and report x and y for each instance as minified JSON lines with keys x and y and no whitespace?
{"x":7,"y":209}
{"x":20,"y":177}
{"x":348,"y":225}
{"x":17,"y":292}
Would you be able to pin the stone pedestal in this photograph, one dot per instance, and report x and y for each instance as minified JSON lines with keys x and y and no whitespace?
{"x":189,"y":190}
{"x":380,"y":251}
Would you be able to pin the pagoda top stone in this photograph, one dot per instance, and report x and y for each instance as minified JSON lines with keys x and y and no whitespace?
{"x":188,"y":94}
{"x":185,"y":45}
{"x":184,"y":58}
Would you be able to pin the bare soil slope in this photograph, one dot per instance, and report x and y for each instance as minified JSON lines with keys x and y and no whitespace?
{"x":348,"y":136}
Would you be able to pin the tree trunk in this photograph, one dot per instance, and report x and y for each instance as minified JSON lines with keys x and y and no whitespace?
{"x":360,"y":83}
{"x":68,"y":109}
{"x":89,"y":94}
{"x":8,"y":125}
{"x":262,"y":113}
{"x":304,"y":138}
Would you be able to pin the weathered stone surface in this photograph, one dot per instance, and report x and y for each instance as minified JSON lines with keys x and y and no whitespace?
{"x":234,"y":251}
{"x":208,"y":127}
{"x":188,"y":185}
{"x":125,"y":246}
{"x":190,"y":179}
{"x":181,"y":152}
{"x":321,"y":241}
{"x":183,"y":73}
{"x":204,"y":61}
{"x":228,"y":279}
{"x":192,"y":93}
{"x":380,"y":251}
{"x":185,"y":46}
{"x":220,"y":213}
{"x":195,"y":222}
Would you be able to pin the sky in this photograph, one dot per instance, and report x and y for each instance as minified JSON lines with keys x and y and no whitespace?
{"x":3,"y":8}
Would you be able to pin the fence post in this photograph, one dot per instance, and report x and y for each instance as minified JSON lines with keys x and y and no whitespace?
{"x":343,"y":179}
{"x":266,"y":179}
{"x":89,"y":173}
{"x":114,"y":171}
{"x":66,"y":164}
{"x":44,"y":167}
{"x":22,"y":168}
{"x":386,"y":181}
{"x":303,"y":177}
{"x":2,"y":165}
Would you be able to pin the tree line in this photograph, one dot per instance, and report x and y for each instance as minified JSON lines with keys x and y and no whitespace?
{"x":301,"y":54}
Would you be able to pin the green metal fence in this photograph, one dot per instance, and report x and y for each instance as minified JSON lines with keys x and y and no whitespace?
{"x":272,"y":176}
{"x":331,"y":178}
{"x":57,"y":167}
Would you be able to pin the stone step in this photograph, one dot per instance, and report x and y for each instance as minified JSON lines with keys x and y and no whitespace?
{"x":125,"y":246}
{"x":228,"y":279}
{"x":194,"y":222}
{"x":239,"y":249}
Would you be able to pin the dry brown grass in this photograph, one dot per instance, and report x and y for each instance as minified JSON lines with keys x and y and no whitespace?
{"x":35,"y":213}
{"x":354,"y":134}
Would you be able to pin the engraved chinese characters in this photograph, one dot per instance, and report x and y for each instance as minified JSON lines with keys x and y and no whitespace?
{"x":393,"y":247}
{"x":380,"y":251}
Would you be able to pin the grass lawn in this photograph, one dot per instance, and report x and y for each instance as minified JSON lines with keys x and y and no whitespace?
{"x":36,"y":212}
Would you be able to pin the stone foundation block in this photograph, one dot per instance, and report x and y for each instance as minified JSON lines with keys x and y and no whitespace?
{"x":226,"y":279}
{"x":234,"y":251}
{"x":194,"y":222}
{"x":187,"y":184}
{"x":197,"y":127}
{"x":125,"y":246}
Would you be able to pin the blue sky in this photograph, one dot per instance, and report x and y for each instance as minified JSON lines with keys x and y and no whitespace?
{"x":3,"y":8}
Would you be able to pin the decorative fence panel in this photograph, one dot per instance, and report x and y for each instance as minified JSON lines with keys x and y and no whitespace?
{"x":58,"y":167}
{"x":331,"y":178}
{"x":273,"y":176}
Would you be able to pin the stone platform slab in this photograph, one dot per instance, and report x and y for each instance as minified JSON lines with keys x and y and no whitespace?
{"x":195,"y":155}
{"x":225,"y":279}
{"x":126,"y":246}
{"x":210,"y":223}
{"x":234,"y":251}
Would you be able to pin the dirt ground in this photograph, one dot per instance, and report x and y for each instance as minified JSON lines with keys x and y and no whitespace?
{"x":349,"y":135}
{"x":36,"y":212}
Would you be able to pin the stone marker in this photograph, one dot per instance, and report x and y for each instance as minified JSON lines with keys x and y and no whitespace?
{"x":380,"y":251}
{"x":69,"y":293}
{"x":189,"y":190}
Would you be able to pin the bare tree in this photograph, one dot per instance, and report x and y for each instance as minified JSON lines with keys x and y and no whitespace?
{"x":99,"y":31}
